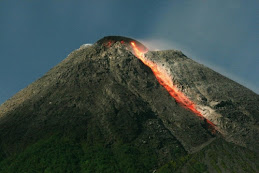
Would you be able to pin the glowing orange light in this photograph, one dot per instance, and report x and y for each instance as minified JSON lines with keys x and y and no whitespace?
{"x":109,"y":44}
{"x":165,"y":80}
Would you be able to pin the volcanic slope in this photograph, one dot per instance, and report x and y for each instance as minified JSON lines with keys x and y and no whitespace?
{"x":103,"y":110}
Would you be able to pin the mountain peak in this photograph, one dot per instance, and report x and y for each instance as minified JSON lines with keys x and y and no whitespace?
{"x":117,"y":93}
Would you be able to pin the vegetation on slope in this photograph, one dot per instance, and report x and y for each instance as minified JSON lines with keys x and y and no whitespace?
{"x":66,"y":154}
{"x":219,"y":156}
{"x":62,"y":154}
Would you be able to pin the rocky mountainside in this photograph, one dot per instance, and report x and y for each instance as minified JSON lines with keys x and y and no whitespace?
{"x":103,"y":110}
{"x":233,"y":108}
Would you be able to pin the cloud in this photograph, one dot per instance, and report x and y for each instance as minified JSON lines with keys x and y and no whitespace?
{"x":219,"y":35}
{"x":160,"y":44}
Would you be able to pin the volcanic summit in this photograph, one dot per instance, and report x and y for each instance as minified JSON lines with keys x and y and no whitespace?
{"x":115,"y":106}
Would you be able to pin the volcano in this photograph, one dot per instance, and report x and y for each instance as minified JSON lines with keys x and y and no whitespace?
{"x":115,"y":106}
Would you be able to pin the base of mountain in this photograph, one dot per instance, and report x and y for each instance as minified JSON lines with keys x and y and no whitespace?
{"x":59,"y":153}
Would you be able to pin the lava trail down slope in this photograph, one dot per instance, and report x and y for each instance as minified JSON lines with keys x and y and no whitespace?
{"x":160,"y":73}
{"x":165,"y":80}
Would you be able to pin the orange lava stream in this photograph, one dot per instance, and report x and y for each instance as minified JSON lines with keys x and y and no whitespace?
{"x":165,"y":80}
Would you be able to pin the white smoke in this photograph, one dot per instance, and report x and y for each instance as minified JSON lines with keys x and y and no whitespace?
{"x":85,"y":45}
{"x":159,"y":44}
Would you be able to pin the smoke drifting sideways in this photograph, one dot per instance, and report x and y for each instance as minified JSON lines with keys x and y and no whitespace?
{"x":159,"y":44}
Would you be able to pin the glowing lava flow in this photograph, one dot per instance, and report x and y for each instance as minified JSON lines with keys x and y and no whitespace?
{"x":165,"y":80}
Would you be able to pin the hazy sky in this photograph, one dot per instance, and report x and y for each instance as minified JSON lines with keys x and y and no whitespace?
{"x":36,"y":35}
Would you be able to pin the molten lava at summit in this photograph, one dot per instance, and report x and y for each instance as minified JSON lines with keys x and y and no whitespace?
{"x":165,"y":80}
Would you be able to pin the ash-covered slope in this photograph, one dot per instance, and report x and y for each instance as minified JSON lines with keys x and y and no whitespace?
{"x":104,"y":96}
{"x":233,"y":108}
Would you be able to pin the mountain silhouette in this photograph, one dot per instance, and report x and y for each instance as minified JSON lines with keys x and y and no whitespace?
{"x":106,"y":109}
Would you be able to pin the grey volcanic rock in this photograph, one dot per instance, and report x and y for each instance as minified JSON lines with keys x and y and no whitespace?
{"x":105,"y":93}
{"x":108,"y":84}
{"x":233,"y":108}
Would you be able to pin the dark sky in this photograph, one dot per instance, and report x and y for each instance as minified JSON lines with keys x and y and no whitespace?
{"x":35,"y":35}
